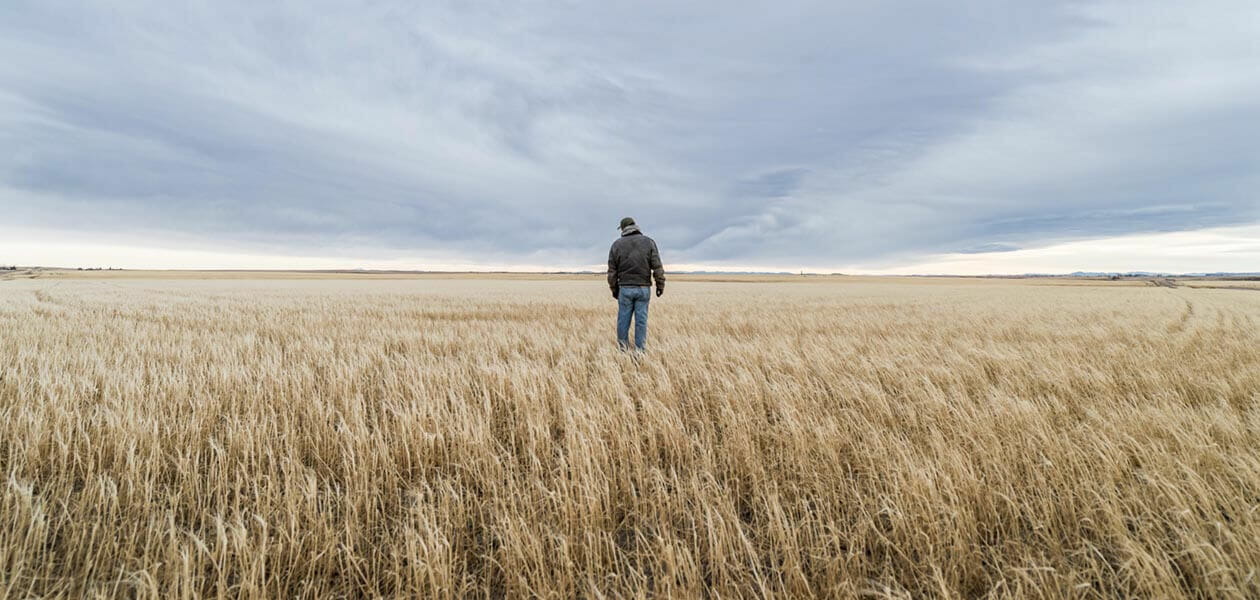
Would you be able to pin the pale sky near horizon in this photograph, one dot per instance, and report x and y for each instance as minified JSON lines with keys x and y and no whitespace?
{"x":900,"y":137}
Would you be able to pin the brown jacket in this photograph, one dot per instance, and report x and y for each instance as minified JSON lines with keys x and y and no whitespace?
{"x":634,"y":260}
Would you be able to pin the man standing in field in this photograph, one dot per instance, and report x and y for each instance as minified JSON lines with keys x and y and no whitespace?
{"x":633,"y":262}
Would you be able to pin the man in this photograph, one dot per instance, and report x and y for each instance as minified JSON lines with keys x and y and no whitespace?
{"x":633,"y":262}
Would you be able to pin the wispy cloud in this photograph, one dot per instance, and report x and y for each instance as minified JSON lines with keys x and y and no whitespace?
{"x":809,"y":134}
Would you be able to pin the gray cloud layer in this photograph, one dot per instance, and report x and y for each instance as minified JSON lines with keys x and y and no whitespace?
{"x":803,"y":133}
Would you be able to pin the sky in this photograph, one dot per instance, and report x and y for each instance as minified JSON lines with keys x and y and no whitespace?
{"x":965,"y":137}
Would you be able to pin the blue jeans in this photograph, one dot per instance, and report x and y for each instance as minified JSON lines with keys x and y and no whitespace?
{"x":632,"y":300}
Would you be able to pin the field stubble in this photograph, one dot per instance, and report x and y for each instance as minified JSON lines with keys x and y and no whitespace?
{"x":475,"y":437}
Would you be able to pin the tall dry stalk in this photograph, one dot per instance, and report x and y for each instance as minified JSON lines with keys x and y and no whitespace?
{"x":480,"y":438}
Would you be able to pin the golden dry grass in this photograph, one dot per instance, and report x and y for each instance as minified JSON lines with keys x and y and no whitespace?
{"x":473,"y":437}
{"x":1227,"y":284}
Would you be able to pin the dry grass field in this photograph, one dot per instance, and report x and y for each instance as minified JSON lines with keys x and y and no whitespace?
{"x":1225,"y":284}
{"x":169,"y":437}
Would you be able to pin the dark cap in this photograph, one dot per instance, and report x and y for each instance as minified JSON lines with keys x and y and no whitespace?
{"x":625,"y":222}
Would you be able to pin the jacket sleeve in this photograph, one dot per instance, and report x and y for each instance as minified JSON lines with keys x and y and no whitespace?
{"x":612,"y":269}
{"x":658,"y":270}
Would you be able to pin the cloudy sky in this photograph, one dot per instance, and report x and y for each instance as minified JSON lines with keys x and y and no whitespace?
{"x":907,"y":136}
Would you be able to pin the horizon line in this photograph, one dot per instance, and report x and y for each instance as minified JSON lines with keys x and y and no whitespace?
{"x":1134,"y":273}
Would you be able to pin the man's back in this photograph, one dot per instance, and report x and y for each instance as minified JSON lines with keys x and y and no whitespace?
{"x":635,"y":261}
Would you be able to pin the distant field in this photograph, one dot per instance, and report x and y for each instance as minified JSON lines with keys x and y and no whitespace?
{"x":297,"y":435}
{"x":185,"y":275}
{"x":1222,"y":283}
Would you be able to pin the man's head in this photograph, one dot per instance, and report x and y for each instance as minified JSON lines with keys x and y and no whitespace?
{"x":626,"y":222}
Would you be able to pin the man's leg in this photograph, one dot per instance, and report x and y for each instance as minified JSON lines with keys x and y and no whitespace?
{"x":625,"y":307}
{"x":640,"y":317}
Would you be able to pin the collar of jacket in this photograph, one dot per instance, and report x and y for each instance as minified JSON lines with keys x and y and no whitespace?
{"x":630,"y":229}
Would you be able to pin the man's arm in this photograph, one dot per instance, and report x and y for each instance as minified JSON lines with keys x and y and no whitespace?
{"x":612,"y":272}
{"x":658,"y":270}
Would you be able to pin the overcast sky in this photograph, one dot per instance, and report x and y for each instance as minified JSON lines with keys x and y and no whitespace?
{"x":973,"y":136}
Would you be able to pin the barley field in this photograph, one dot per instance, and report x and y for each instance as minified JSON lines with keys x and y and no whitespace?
{"x":252,"y":436}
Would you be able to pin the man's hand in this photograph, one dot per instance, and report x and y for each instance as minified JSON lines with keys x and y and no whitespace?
{"x":659,"y":291}
{"x":615,"y":295}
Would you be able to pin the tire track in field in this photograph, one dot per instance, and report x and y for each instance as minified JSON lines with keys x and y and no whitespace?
{"x":1194,"y":311}
{"x":1205,"y":313}
{"x":1182,"y":322}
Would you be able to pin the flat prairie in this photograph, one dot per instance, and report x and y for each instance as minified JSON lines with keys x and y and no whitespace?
{"x":265,"y":435}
